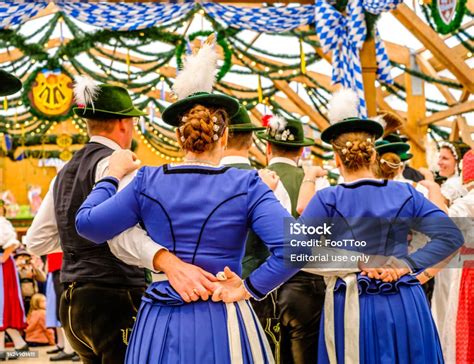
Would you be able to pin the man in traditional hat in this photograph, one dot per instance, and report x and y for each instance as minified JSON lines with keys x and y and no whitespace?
{"x":103,"y":293}
{"x":301,"y":299}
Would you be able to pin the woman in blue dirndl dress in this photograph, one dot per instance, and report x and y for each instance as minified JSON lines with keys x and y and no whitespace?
{"x":380,"y":315}
{"x":201,"y":212}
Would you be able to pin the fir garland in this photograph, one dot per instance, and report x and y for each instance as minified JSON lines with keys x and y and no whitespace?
{"x":455,"y":23}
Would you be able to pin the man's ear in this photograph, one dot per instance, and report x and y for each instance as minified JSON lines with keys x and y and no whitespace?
{"x":225,"y":138}
{"x":122,"y":123}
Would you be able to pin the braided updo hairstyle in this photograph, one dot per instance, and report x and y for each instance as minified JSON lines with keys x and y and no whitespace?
{"x":356,"y":150}
{"x":388,"y":165}
{"x":201,"y":127}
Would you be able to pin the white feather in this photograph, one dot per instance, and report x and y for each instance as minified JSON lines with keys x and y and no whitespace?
{"x":198,"y":73}
{"x":85,"y":90}
{"x":343,"y":104}
{"x":277,"y":123}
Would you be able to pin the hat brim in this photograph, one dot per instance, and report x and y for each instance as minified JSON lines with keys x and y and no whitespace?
{"x":172,"y":114}
{"x":9,"y":84}
{"x":306,"y":142}
{"x":406,"y":157}
{"x":349,"y":126}
{"x":397,"y":148}
{"x":242,"y":128}
{"x":88,"y":113}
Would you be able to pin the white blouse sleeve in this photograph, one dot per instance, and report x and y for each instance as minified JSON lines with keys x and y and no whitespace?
{"x":453,"y":189}
{"x":8,"y":236}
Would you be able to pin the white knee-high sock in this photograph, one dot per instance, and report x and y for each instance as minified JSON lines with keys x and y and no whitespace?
{"x":2,"y":341}
{"x":16,"y":338}
{"x":60,"y":336}
{"x":67,"y":346}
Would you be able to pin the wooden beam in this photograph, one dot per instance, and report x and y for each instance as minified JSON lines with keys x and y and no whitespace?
{"x":416,"y":106}
{"x":465,"y":107}
{"x":458,"y":51}
{"x":369,"y":74}
{"x":302,"y":105}
{"x":435,"y":45}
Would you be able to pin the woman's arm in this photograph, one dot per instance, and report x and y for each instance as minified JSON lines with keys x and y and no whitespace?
{"x":308,"y":187}
{"x":446,"y":238}
{"x":7,"y":252}
{"x":106,"y":213}
{"x":435,"y":195}
{"x":268,"y":219}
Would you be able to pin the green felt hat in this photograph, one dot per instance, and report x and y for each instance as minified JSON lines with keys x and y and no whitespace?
{"x":395,"y":138}
{"x":291,"y":134}
{"x":172,"y":114}
{"x":406,"y":156}
{"x":241,"y":122}
{"x":349,"y":125}
{"x":384,"y":146}
{"x":110,"y":102}
{"x":9,"y":84}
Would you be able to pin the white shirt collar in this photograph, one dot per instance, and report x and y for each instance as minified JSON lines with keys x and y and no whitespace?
{"x":105,"y":141}
{"x":235,"y":159}
{"x":282,"y":160}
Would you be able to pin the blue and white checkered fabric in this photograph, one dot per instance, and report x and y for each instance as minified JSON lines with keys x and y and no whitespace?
{"x":15,"y":13}
{"x":125,"y":16}
{"x":345,"y":36}
{"x":271,"y":19}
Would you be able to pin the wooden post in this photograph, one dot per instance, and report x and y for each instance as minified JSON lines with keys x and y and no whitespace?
{"x":416,"y":105}
{"x":369,"y":74}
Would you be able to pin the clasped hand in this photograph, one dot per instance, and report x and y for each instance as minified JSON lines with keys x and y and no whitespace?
{"x":386,"y":269}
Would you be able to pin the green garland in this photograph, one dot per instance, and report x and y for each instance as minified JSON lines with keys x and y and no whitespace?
{"x":455,"y":23}
{"x":426,"y":77}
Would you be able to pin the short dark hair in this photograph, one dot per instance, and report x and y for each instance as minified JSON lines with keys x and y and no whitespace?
{"x":285,"y":150}
{"x":240,"y":140}
{"x":96,"y":126}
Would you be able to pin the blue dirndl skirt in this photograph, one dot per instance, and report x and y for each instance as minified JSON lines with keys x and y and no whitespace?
{"x":396,"y":325}
{"x":169,"y":330}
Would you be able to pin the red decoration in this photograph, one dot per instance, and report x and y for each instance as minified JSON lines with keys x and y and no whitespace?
{"x":468,"y":167}
{"x":266,"y":120}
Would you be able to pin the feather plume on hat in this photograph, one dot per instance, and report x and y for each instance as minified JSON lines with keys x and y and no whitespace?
{"x":85,"y":91}
{"x":274,"y":122}
{"x":199,"y":71}
{"x":343,"y":104}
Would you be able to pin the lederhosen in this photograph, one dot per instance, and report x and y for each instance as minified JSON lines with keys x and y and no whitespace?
{"x":300,"y":299}
{"x":102,"y":293}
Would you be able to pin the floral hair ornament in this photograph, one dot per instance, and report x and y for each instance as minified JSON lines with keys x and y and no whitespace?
{"x":391,"y":164}
{"x":451,"y":147}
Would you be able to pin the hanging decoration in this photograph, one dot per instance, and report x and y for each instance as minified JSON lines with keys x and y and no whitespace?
{"x":64,"y":141}
{"x":448,"y":14}
{"x":119,"y":52}
{"x":344,"y":35}
{"x":51,"y":93}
